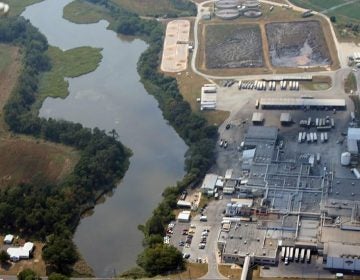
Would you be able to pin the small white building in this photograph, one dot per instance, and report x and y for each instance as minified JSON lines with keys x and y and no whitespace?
{"x":183,"y":204}
{"x":209,"y":184}
{"x":184,"y":217}
{"x":9,"y":238}
{"x":21,"y":253}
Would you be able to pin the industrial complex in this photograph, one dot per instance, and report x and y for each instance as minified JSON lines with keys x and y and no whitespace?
{"x":284,"y":194}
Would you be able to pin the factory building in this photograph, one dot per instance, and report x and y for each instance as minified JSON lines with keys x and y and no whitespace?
{"x":208,"y":97}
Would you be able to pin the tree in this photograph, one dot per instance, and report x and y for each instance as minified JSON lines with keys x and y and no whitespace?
{"x":160,"y":259}
{"x":4,"y":257}
{"x":60,"y":254}
{"x":333,"y":18}
{"x":58,"y":276}
{"x":28,"y":274}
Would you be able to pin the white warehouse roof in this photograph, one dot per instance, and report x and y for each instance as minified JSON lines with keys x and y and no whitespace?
{"x":209,"y":182}
{"x":302,"y":102}
{"x":184,"y":216}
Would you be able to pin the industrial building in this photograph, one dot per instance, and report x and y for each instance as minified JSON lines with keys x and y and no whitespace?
{"x":353,"y":138}
{"x":209,"y":184}
{"x":290,"y":203}
{"x":302,"y":103}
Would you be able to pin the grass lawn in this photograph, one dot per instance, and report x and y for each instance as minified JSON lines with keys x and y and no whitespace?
{"x":71,"y":63}
{"x":193,"y":271}
{"x":230,"y":271}
{"x":83,"y":12}
{"x":345,"y":14}
{"x":5,"y":57}
{"x":18,"y":6}
{"x":350,"y":83}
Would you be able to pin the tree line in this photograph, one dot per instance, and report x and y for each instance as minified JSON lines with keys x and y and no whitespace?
{"x":52,"y":212}
{"x":156,"y":257}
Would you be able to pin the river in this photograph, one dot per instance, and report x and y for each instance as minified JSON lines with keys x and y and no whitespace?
{"x":113,"y":97}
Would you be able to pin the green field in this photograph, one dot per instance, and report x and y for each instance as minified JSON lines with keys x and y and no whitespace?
{"x":346,"y":16}
{"x":71,"y":63}
{"x":18,"y":6}
{"x":83,"y":12}
{"x":351,"y":11}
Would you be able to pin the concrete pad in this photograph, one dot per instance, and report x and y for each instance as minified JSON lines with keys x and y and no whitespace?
{"x":175,"y":51}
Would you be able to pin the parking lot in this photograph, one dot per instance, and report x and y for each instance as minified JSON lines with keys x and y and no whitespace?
{"x":205,"y":233}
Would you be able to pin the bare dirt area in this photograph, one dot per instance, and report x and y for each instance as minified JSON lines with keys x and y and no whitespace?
{"x":297,"y":44}
{"x":233,"y":46}
{"x":33,"y":161}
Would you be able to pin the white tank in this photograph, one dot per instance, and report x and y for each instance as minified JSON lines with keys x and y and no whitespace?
{"x":6,"y":8}
{"x":345,"y":158}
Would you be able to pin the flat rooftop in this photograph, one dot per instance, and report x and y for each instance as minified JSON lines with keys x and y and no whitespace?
{"x":247,"y":239}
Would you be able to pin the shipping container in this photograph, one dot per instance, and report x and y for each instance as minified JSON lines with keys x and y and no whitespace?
{"x":322,"y":137}
{"x":315,"y":136}
{"x":325,"y":136}
{"x":284,"y":84}
{"x":270,"y":85}
{"x":317,"y":121}
{"x":290,"y":85}
{"x":239,"y":84}
{"x":311,"y":137}
{"x":308,"y":139}
{"x":274,"y":85}
{"x":318,"y":157}
{"x":287,"y":252}
{"x":332,"y":123}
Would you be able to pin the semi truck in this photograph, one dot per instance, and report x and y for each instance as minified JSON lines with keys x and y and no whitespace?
{"x":302,"y":255}
{"x":308,"y":256}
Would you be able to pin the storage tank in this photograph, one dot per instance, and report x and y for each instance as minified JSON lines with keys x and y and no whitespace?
{"x":6,"y":8}
{"x":345,"y":158}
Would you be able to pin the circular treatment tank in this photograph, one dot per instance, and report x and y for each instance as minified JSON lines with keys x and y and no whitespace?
{"x":252,"y":13}
{"x":226,"y":4}
{"x":345,"y":158}
{"x":251,"y":4}
{"x":227,"y":14}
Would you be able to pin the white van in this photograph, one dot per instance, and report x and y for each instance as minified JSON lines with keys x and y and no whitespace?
{"x":203,"y":219}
